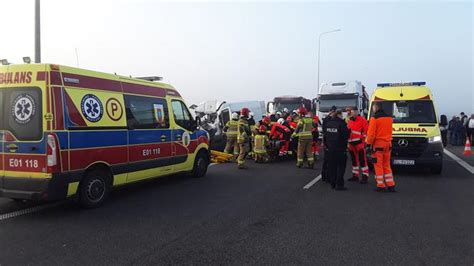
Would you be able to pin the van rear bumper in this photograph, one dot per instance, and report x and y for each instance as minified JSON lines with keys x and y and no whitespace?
{"x":36,"y":189}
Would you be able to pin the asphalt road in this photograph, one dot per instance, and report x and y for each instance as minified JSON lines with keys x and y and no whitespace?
{"x":257,"y":216}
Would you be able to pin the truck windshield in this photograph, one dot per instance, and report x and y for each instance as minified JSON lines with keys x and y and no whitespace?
{"x":410,"y":111}
{"x":279,"y":107}
{"x":325,"y":104}
{"x":21,"y":112}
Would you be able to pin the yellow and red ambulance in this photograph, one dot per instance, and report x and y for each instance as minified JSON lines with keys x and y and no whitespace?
{"x":72,"y":132}
{"x":416,"y":135}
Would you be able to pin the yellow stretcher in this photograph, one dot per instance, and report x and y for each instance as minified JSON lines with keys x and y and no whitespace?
{"x":220,"y":157}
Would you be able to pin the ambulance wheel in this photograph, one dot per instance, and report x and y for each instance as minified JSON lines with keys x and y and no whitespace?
{"x":200,"y":164}
{"x":94,"y":189}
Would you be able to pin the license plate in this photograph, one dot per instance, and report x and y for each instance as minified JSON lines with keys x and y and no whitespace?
{"x":404,"y":162}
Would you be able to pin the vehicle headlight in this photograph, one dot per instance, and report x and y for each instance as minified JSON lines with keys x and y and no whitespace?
{"x":434,"y":139}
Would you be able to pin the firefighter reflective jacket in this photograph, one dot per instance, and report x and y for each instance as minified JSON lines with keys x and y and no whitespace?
{"x":231,"y":128}
{"x":304,"y":129}
{"x":243,"y":131}
{"x":358,"y":127}
{"x":380,"y":128}
{"x":260,"y":144}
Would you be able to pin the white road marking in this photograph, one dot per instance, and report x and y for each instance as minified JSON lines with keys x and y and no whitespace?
{"x":212,"y":164}
{"x":27,"y":211}
{"x":314,"y":181}
{"x":460,"y":161}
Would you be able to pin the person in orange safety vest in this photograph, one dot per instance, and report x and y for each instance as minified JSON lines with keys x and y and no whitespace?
{"x":379,"y":137}
{"x":358,"y":127}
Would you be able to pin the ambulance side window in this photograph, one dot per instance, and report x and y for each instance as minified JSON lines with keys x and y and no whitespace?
{"x":146,"y":112}
{"x":182,"y":117}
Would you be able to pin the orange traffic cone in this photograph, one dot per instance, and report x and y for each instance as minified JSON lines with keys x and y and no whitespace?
{"x":467,"y":147}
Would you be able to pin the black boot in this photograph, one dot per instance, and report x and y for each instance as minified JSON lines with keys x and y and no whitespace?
{"x":363,"y":180}
{"x":353,"y":179}
{"x":380,"y":189}
{"x":391,"y":189}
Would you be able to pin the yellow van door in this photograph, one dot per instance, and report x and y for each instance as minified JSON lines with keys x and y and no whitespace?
{"x":24,"y":144}
{"x":149,"y":137}
{"x":182,"y":135}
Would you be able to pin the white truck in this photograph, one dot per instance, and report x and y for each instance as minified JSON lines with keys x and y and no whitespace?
{"x":342,"y":95}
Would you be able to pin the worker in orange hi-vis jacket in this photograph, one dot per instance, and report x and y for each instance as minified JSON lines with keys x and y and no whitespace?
{"x":358,"y":127}
{"x":379,"y":137}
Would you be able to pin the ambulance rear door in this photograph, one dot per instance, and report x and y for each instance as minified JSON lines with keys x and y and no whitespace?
{"x":23,"y":145}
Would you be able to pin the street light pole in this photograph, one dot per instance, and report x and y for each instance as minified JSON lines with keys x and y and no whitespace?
{"x":37,"y":32}
{"x":319,"y":49}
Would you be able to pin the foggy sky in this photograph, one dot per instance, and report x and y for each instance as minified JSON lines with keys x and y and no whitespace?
{"x":254,"y":51}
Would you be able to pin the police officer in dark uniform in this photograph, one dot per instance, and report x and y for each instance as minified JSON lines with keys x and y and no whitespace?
{"x":324,"y":175}
{"x":335,"y":139}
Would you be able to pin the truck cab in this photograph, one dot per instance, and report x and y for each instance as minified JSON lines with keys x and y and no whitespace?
{"x":342,"y":95}
{"x":289,"y":102}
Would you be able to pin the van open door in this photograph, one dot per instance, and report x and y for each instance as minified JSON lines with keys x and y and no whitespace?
{"x":183,"y":130}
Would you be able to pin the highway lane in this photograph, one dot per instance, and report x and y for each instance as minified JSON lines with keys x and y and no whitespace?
{"x":259,"y":215}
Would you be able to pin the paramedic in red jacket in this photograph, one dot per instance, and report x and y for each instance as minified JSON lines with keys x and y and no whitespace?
{"x":282,"y":133}
{"x":358,"y":127}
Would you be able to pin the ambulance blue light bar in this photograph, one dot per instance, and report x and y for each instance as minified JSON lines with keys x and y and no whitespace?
{"x":416,"y":83}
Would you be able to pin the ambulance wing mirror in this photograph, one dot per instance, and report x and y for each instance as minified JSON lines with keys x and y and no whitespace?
{"x":196,"y":123}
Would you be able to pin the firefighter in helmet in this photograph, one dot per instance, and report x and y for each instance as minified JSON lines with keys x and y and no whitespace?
{"x":260,"y":144}
{"x":230,"y":130}
{"x":305,"y":138}
{"x":243,"y":137}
